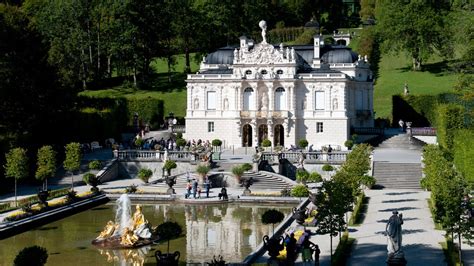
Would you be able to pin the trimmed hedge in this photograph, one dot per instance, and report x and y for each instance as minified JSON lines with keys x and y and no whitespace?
{"x":450,"y":117}
{"x":101,"y":118}
{"x":463,"y":154}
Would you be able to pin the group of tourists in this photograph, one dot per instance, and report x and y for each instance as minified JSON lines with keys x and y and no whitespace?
{"x":305,"y":246}
{"x":194,"y":189}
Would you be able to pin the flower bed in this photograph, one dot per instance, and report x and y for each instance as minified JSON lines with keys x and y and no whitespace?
{"x":28,"y":201}
{"x":36,"y":209}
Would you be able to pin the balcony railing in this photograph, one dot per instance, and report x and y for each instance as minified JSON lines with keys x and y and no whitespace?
{"x":154,"y":156}
{"x":423,"y":131}
{"x":368,"y":131}
{"x":335,"y":157}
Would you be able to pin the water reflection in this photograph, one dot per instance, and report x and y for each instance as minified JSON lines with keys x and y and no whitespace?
{"x":132,"y":257}
{"x":218,"y":229}
{"x":227,"y":230}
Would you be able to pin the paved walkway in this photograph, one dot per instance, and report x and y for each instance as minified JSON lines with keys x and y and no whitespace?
{"x":420,"y":239}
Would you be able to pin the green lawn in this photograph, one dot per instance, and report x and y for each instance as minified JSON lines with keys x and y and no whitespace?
{"x":173,"y":94}
{"x":395,"y":71}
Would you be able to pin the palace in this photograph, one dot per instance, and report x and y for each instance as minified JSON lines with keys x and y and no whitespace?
{"x":243,"y":95}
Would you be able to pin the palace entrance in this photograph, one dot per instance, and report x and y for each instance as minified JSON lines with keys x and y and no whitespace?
{"x":262,"y":133}
{"x":247,"y":136}
{"x":278,"y":136}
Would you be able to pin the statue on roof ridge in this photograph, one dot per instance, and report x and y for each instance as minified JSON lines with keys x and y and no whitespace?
{"x":263,"y":25}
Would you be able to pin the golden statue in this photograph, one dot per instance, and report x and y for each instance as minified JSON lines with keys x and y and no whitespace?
{"x":128,"y":238}
{"x":108,"y":231}
{"x":138,"y":218}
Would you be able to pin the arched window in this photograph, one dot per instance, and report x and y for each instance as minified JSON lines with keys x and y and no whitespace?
{"x":248,"y":72}
{"x":263,"y":72}
{"x":279,"y":71}
{"x":280,"y":99}
{"x":249,"y":102}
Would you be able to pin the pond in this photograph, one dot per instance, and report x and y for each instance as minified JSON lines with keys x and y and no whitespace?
{"x":230,"y":230}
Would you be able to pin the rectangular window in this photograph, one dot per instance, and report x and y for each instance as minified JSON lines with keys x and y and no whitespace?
{"x":210,"y":126}
{"x":319,"y":100}
{"x":211,"y":100}
{"x":319,"y":127}
{"x":359,"y":100}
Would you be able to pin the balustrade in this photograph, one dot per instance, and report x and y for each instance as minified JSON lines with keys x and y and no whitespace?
{"x":423,"y":131}
{"x":145,"y":155}
{"x":336,"y":157}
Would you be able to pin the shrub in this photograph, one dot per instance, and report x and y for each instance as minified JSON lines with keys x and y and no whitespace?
{"x":349,"y":143}
{"x":302,"y":176}
{"x":139,"y":142}
{"x":170,"y":164}
{"x":327,"y":168}
{"x":71,"y":196}
{"x":180,"y":142}
{"x":238,"y":171}
{"x":179,"y":135}
{"x":88,"y":178}
{"x":247,"y":167}
{"x":315,"y":177}
{"x":303,"y":143}
{"x":31,"y":256}
{"x":286,"y":192}
{"x":94,"y":165}
{"x":368,"y":181}
{"x":300,"y":190}
{"x":131,"y":189}
{"x":266,"y":143}
{"x":145,"y":174}
{"x":216,"y":142}
{"x":203,"y":169}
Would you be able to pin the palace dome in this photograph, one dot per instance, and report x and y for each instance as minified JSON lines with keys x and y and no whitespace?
{"x":339,"y":55}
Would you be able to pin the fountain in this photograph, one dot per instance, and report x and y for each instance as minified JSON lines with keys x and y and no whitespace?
{"x":127,"y":231}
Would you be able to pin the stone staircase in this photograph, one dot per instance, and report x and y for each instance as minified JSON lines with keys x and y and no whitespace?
{"x":402,"y":141}
{"x":262,"y":181}
{"x":267,"y":181}
{"x":398,"y":175}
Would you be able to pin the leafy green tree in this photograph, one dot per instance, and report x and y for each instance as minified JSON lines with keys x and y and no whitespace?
{"x":332,"y":203}
{"x":31,"y":256}
{"x":46,"y":165}
{"x":203,"y":170}
{"x":415,"y":27}
{"x":273,"y":217}
{"x":24,"y":71}
{"x":72,"y":162}
{"x":367,"y":9}
{"x":16,"y":166}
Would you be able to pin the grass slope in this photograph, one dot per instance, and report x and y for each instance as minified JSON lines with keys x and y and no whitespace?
{"x":395,"y":70}
{"x":173,"y":94}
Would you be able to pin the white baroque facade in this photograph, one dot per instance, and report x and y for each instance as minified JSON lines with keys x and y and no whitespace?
{"x":245,"y":94}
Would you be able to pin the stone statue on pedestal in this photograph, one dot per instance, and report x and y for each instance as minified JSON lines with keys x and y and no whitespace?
{"x":393,"y":230}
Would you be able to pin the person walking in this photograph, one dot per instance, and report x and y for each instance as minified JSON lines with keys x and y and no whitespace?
{"x":207,"y":187}
{"x":195,"y":187}
{"x":189,"y":187}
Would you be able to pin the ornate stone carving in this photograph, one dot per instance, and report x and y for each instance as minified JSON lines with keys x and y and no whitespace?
{"x":263,"y":53}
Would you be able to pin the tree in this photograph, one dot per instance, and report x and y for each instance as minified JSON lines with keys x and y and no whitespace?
{"x":72,"y":162}
{"x":169,"y":230}
{"x":367,"y":9}
{"x":46,"y":165}
{"x":24,"y":72}
{"x":16,"y":166}
{"x":31,"y":256}
{"x":202,"y":170}
{"x":415,"y":27}
{"x":273,"y":217}
{"x":332,"y":203}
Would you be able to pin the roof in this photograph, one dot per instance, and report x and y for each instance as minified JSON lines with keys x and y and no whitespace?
{"x":329,"y":54}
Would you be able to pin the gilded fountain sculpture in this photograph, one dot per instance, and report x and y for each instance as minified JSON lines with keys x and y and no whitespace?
{"x":127,"y":231}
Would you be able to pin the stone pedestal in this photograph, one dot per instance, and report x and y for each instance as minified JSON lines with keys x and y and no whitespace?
{"x":397,"y":259}
{"x":247,"y":192}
